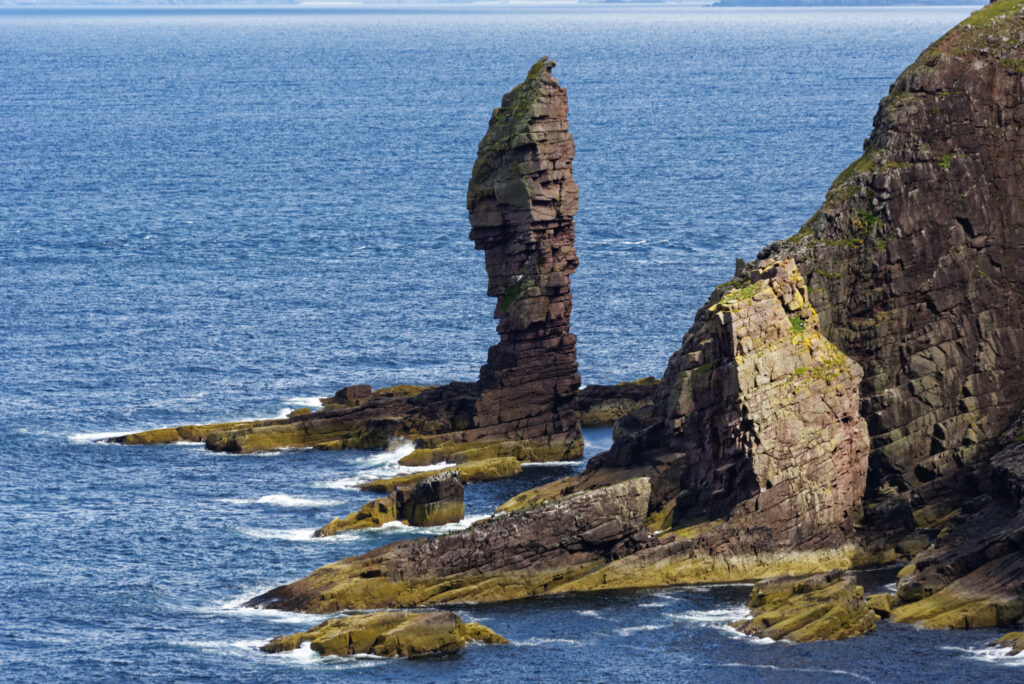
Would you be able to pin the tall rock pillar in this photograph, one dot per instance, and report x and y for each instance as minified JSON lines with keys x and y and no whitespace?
{"x":521,"y":201}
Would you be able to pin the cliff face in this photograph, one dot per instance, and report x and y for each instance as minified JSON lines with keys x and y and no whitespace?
{"x":759,"y":414}
{"x":915,"y":260}
{"x":521,"y":202}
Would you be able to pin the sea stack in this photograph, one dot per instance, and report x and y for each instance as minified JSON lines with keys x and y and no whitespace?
{"x":521,"y":201}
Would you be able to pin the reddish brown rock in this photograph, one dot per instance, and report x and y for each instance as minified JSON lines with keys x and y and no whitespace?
{"x":521,"y":201}
{"x":506,"y":557}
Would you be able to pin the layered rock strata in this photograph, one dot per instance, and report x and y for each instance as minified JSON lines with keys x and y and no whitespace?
{"x":521,"y":201}
{"x":823,"y":607}
{"x":435,"y":500}
{"x":388,"y":635}
{"x":505,"y":557}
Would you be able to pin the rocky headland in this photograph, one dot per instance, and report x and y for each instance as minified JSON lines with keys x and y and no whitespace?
{"x":848,"y":399}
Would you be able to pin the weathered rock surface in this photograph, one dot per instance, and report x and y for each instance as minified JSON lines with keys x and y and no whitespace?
{"x":823,"y":607}
{"x":521,"y":201}
{"x":434,"y":500}
{"x":505,"y":557}
{"x":388,"y":635}
{"x":973,"y":576}
{"x":915,"y":262}
{"x":755,"y":421}
{"x":605,"y":404}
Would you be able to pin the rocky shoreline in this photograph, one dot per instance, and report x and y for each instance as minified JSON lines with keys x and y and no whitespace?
{"x":847,"y":400}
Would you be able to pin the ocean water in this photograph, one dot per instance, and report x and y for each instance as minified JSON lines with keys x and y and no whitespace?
{"x":210,"y":215}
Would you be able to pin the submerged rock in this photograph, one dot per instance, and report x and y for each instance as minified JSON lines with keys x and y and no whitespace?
{"x":388,"y":635}
{"x":823,"y":607}
{"x":434,"y":500}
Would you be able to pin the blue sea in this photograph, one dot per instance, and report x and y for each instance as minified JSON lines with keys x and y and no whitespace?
{"x":217,"y":215}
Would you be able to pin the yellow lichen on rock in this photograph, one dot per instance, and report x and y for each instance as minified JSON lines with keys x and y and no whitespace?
{"x":388,"y":635}
{"x":823,"y":607}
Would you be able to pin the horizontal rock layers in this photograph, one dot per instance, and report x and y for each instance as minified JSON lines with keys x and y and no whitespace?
{"x":505,"y":557}
{"x":521,"y":201}
{"x":388,"y":635}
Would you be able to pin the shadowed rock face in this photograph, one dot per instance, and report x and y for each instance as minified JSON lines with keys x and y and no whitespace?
{"x":521,"y":201}
{"x":915,"y":262}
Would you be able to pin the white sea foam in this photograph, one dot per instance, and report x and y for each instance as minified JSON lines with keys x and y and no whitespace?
{"x":777,"y":668}
{"x":541,"y":641}
{"x":237,"y":606}
{"x":311,"y":402}
{"x":590,"y":613}
{"x":283,"y":500}
{"x":378,"y":465}
{"x":86,"y":437}
{"x":626,"y":631}
{"x":715,"y":617}
{"x":890,"y":588}
{"x":220,"y":646}
{"x":529,"y":464}
{"x":990,"y":654}
{"x":652,"y":605}
{"x":304,"y":534}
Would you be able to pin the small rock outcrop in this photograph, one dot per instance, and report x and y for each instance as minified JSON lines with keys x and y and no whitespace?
{"x":1013,"y":642}
{"x":388,"y":635}
{"x":434,"y":500}
{"x":506,"y":557}
{"x":823,"y":607}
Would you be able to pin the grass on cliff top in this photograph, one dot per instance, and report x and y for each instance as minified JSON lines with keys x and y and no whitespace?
{"x":992,"y":12}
